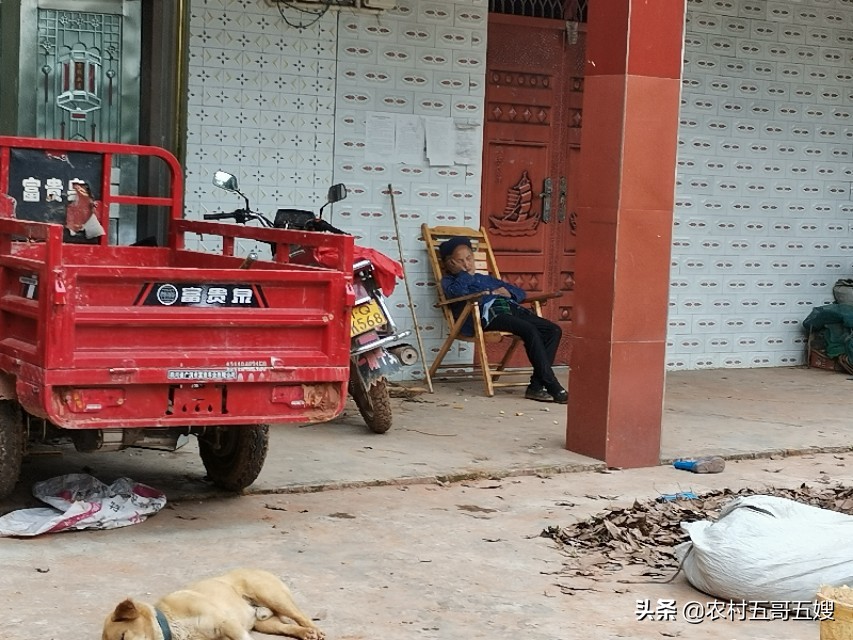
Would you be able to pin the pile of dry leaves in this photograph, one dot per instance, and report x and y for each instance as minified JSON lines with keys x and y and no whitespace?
{"x":646,"y":533}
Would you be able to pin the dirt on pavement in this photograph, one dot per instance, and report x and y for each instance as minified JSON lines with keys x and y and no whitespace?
{"x":429,"y":561}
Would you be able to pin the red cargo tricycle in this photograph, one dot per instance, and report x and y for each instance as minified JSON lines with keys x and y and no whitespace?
{"x":125,"y":345}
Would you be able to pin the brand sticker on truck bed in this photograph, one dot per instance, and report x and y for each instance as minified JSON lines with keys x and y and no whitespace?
{"x":185,"y":294}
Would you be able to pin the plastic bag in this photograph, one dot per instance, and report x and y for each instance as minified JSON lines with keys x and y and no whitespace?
{"x":842,"y":291}
{"x":768,"y":549}
{"x":83,"y":502}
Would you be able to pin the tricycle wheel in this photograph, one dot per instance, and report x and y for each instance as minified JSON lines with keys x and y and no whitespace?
{"x":374,"y":404}
{"x":11,"y":445}
{"x":234,"y":456}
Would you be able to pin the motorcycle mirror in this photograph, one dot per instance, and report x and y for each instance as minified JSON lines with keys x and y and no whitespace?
{"x":225,"y":180}
{"x":337,"y":192}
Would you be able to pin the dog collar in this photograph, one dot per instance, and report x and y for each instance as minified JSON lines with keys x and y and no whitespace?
{"x":164,"y":624}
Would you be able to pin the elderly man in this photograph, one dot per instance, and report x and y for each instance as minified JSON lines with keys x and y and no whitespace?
{"x":501,"y":311}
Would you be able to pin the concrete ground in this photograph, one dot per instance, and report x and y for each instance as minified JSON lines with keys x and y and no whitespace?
{"x":421,"y":557}
{"x":458,"y":433}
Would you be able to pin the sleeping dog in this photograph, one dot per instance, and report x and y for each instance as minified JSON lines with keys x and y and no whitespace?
{"x":222,"y":608}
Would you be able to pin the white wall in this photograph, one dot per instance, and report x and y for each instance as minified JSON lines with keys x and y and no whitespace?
{"x":261,"y":105}
{"x":427,"y":59}
{"x":285,"y":109}
{"x":763,"y":214}
{"x":763,"y":223}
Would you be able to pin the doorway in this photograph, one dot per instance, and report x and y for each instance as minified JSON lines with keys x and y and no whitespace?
{"x":534,"y":90}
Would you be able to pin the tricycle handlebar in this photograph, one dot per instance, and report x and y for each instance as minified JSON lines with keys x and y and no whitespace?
{"x":240,"y":216}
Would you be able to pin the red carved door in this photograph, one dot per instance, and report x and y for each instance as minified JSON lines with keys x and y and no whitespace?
{"x":531,"y":147}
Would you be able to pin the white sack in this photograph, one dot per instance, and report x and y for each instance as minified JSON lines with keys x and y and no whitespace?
{"x":83,"y":502}
{"x":765,"y":548}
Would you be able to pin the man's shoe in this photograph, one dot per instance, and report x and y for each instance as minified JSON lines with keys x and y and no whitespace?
{"x":540,"y":394}
{"x":560,"y":397}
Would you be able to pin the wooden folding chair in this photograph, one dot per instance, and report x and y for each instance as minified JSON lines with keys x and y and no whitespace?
{"x":485,"y":262}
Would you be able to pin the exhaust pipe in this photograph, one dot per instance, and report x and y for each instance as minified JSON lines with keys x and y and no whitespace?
{"x":405,"y":353}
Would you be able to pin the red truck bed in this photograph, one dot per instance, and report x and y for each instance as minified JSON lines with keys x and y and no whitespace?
{"x":100,"y":336}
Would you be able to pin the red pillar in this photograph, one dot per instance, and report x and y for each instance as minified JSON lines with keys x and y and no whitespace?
{"x":626,"y":197}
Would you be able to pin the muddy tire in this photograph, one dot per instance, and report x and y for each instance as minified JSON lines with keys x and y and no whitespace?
{"x":11,"y":445}
{"x":374,"y":404}
{"x":234,"y":456}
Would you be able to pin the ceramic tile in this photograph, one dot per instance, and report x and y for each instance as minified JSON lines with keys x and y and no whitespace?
{"x":787,"y":81}
{"x":763,"y":156}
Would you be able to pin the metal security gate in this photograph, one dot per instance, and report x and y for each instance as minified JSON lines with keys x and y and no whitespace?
{"x":82,"y":70}
{"x":79,"y":69}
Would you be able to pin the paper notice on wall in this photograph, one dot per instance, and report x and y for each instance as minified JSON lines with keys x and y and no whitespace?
{"x":379,"y":137}
{"x":440,"y":141}
{"x":410,"y":139}
{"x":409,"y":143}
{"x":467,"y":148}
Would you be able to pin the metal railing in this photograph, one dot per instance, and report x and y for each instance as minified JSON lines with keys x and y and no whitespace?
{"x":572,"y":10}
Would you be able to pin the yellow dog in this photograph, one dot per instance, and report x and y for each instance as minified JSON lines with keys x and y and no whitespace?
{"x":222,"y":608}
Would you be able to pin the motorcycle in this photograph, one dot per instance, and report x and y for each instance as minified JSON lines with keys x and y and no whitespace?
{"x":376,"y":350}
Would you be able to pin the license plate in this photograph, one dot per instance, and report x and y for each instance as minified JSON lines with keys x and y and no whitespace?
{"x":365,"y":317}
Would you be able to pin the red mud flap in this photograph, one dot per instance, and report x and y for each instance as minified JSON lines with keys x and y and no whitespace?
{"x":377,"y":364}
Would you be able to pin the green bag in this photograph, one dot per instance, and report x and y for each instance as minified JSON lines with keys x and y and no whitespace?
{"x":495,"y":307}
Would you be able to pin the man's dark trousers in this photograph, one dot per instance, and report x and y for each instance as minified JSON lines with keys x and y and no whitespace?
{"x":541,"y":338}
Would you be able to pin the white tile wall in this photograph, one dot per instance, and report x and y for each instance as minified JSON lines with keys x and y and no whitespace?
{"x":762,"y":223}
{"x":424,"y":58}
{"x":284,"y":109}
{"x":763,"y":206}
{"x":261,"y":106}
